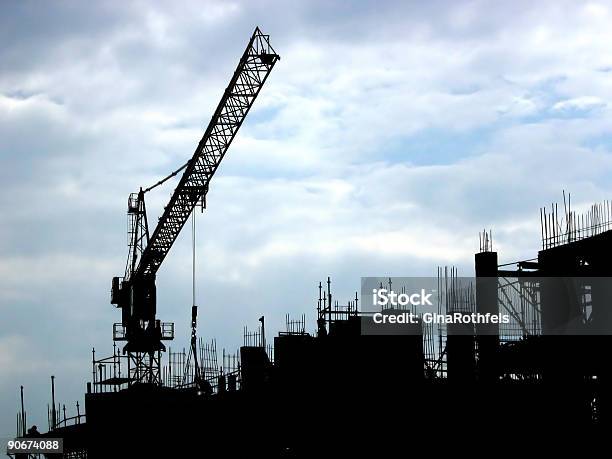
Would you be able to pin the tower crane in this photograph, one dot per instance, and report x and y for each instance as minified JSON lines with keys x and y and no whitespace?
{"x":135,"y":292}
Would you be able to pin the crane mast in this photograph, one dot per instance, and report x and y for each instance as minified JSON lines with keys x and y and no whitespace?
{"x":135,"y":293}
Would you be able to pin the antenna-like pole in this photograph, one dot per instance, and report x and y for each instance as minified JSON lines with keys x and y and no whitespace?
{"x":23,"y":420}
{"x":263,"y":332}
{"x":53,"y":413}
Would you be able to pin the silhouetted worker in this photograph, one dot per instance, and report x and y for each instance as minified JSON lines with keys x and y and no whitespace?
{"x":204,"y":387}
{"x":33,"y":432}
{"x":322,"y":331}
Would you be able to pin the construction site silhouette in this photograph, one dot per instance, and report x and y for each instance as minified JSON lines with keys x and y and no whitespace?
{"x":338,"y":390}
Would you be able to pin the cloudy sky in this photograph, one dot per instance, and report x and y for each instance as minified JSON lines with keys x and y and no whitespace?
{"x":387,"y":136}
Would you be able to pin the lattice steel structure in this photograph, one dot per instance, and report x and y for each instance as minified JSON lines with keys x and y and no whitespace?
{"x":144,"y":367}
{"x":135,"y":293}
{"x":250,"y":76}
{"x":138,"y":231}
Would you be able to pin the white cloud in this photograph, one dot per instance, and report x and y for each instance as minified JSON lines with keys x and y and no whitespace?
{"x":580,"y":103}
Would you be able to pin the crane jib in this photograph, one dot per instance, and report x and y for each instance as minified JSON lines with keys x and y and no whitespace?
{"x":135,"y":293}
{"x":250,"y":75}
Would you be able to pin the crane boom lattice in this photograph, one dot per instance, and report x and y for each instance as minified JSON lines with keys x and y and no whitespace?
{"x":135,"y":293}
{"x":248,"y":79}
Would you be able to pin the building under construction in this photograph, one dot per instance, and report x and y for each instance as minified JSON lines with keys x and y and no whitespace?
{"x":338,"y":389}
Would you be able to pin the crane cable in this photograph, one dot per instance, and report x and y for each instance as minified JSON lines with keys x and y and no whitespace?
{"x":193,"y":227}
{"x":193,"y":243}
{"x":162,"y":181}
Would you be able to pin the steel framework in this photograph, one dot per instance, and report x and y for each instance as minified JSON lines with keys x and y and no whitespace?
{"x":135,"y":293}
{"x":248,"y":79}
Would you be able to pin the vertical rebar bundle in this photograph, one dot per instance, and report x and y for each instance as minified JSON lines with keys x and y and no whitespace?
{"x":570,"y":226}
